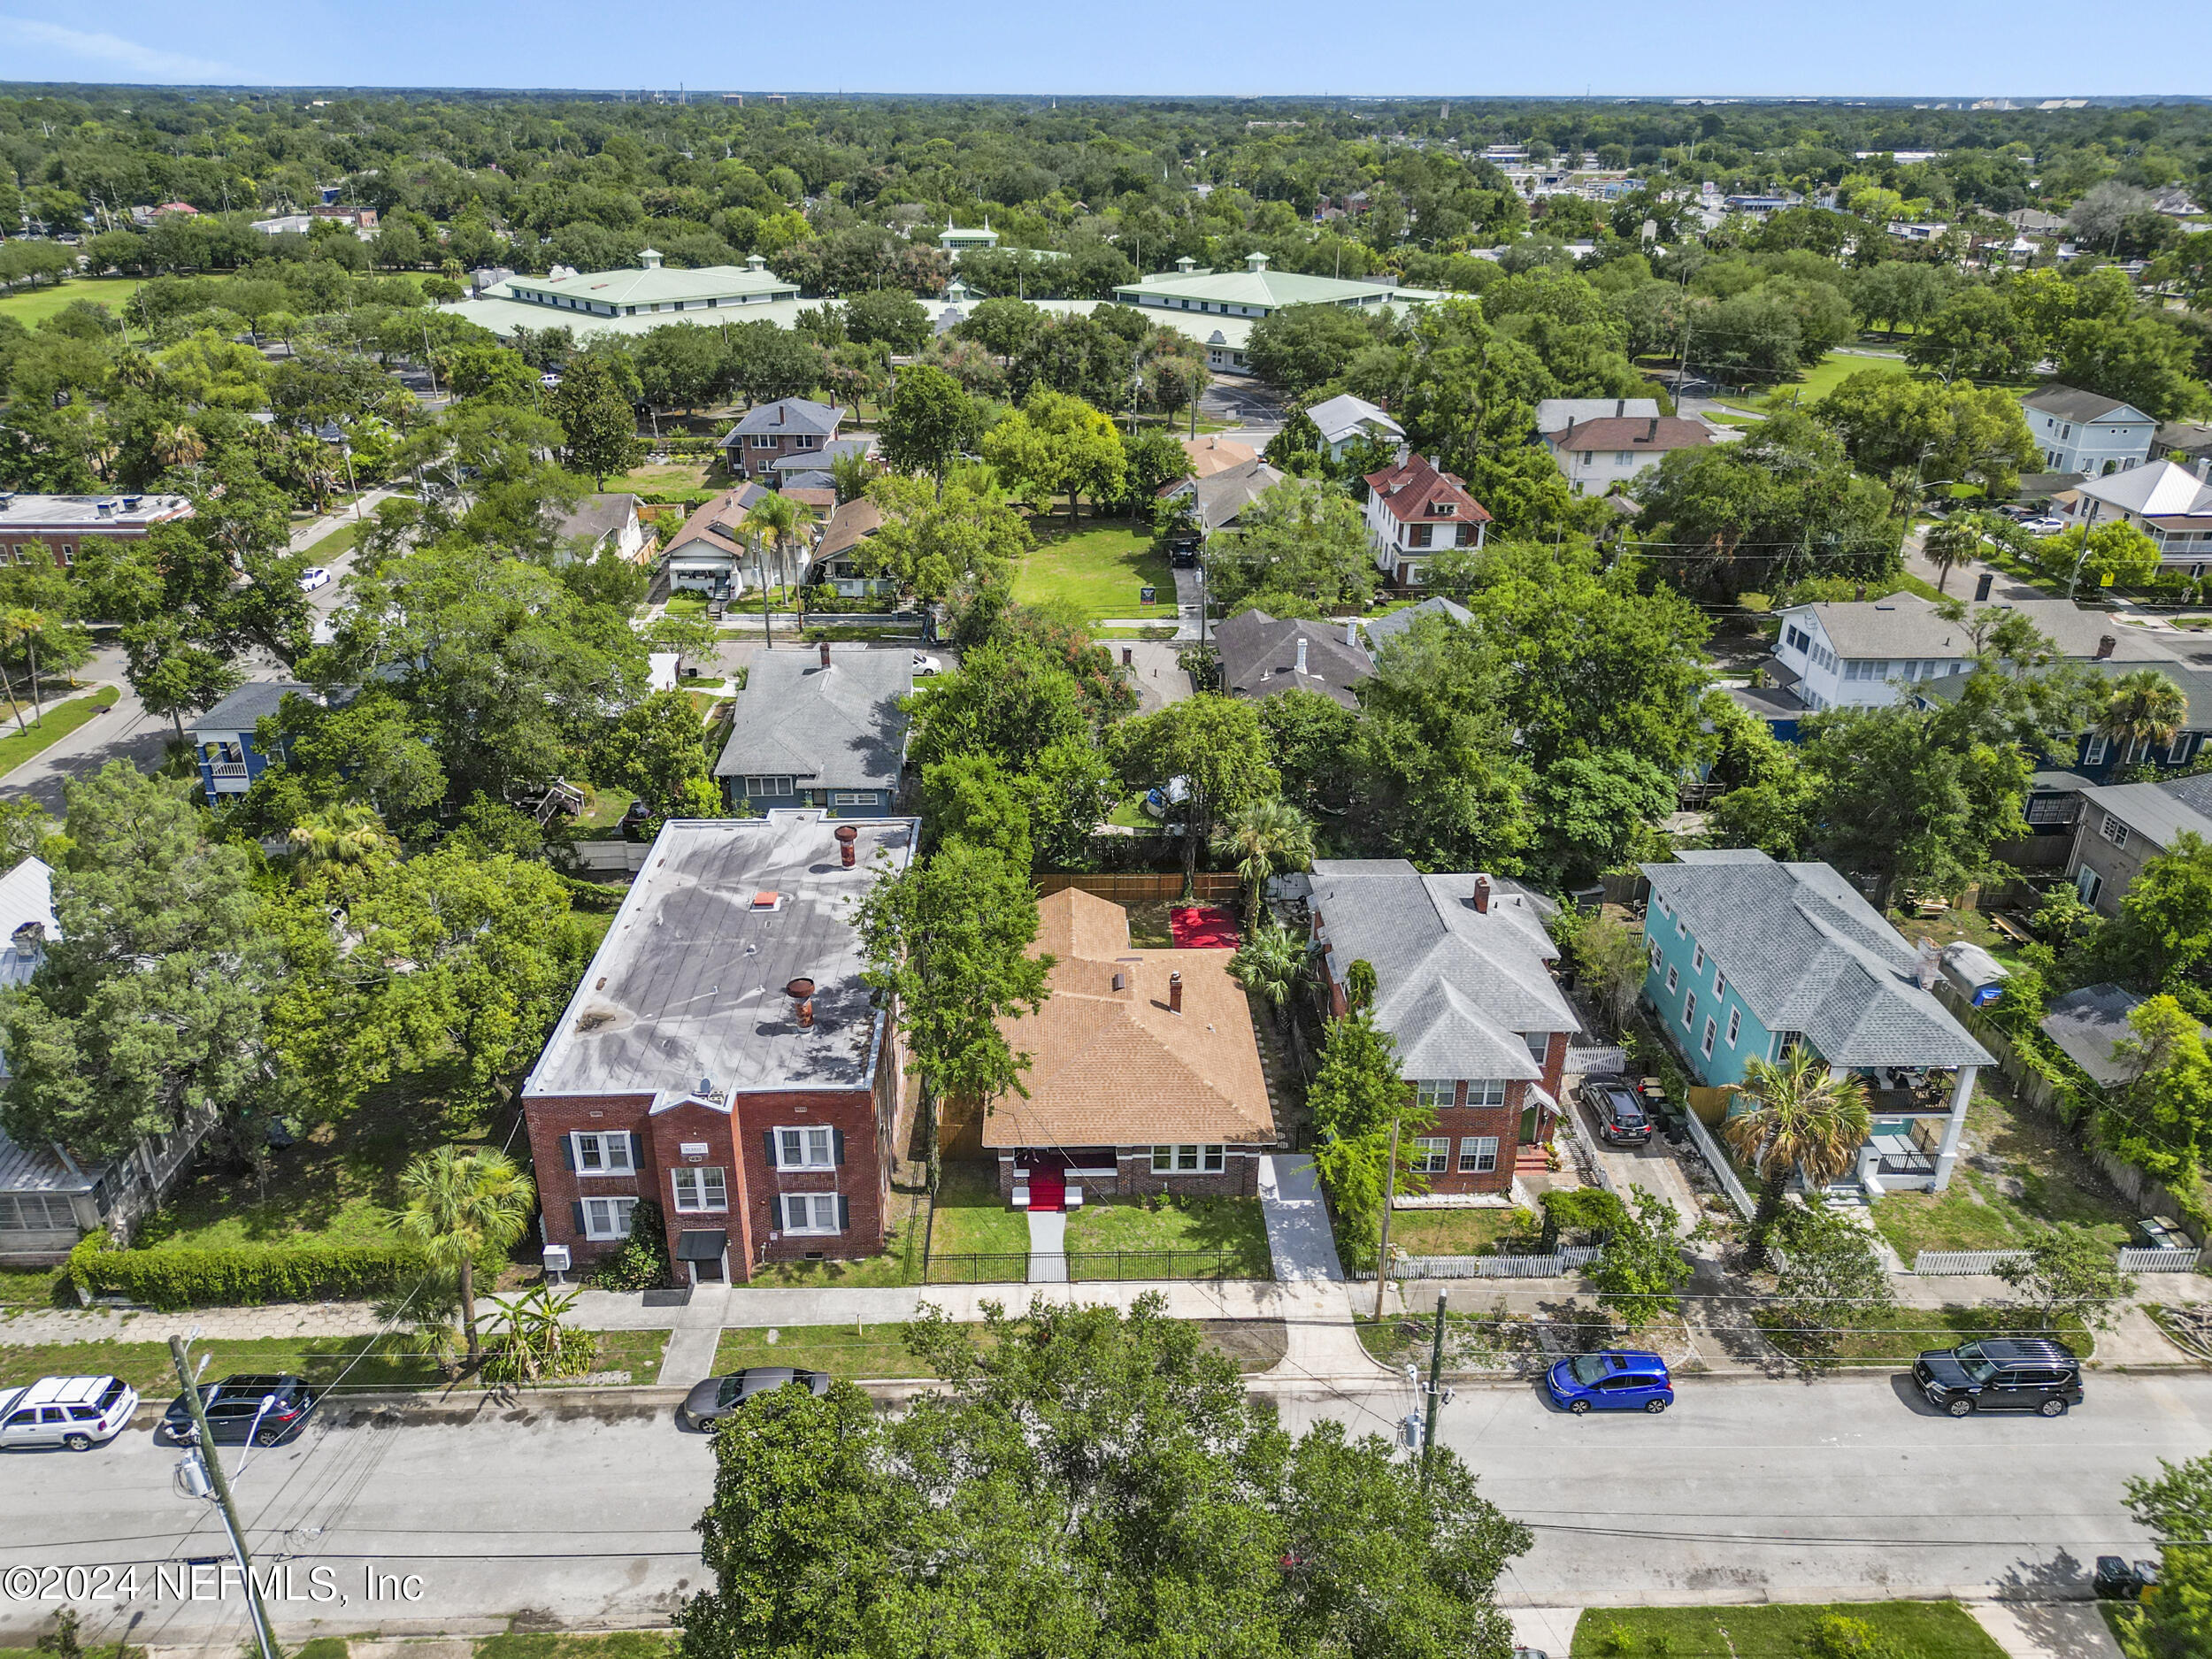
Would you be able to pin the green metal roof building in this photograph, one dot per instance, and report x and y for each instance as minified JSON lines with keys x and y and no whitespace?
{"x":631,"y":301}
{"x":1217,"y":308}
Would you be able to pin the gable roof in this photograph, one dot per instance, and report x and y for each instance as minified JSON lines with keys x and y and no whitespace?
{"x":1416,"y":491}
{"x":788,"y":416}
{"x":1112,"y":1067}
{"x":1222,"y":496}
{"x":848,"y":526}
{"x":1384,"y":629}
{"x":2070,"y":403}
{"x":1455,"y":986}
{"x":1556,"y":414}
{"x":715,"y":523}
{"x":840,"y":727}
{"x":252,"y":702}
{"x":818,"y":458}
{"x":598,"y":517}
{"x":1806,"y":953}
{"x":2157,"y":489}
{"x":1655,"y":432}
{"x":1259,"y":657}
{"x":2152,"y":811}
{"x":1346,"y":417}
{"x":1213,"y":452}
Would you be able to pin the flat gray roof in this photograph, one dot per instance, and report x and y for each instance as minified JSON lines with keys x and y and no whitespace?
{"x":688,"y":987}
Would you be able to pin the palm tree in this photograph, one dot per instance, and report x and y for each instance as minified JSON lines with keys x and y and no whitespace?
{"x":1270,"y":963}
{"x":461,"y":1207}
{"x":2143,"y":707}
{"x":1804,"y":1117}
{"x":781,"y":518}
{"x":1951,"y":544}
{"x":1268,"y":836}
{"x":349,"y":833}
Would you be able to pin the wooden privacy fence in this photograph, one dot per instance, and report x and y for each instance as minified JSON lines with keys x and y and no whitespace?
{"x":1567,"y":1259}
{"x":1208,"y":887}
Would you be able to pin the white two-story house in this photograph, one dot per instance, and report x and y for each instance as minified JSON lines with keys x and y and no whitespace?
{"x":1415,"y":509}
{"x":1597,"y":454}
{"x":2166,"y":502}
{"x":2088,"y":431}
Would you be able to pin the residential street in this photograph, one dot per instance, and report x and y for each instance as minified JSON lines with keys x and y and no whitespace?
{"x":1748,"y":1490}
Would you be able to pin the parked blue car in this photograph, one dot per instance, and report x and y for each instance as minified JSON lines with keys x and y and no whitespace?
{"x":1620,"y":1379}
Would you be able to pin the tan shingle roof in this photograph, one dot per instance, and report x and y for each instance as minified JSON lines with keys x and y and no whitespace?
{"x":1116,"y":1068}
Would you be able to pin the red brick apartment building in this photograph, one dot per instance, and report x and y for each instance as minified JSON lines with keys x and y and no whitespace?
{"x":723,"y":1057}
{"x":64,"y":525}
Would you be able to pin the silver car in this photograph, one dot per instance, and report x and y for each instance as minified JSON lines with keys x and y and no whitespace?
{"x":718,"y":1397}
{"x":76,"y":1412}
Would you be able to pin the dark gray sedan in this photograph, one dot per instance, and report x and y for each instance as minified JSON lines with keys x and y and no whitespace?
{"x":718,"y":1396}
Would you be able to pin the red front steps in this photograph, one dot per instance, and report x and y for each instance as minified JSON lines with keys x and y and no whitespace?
{"x":1531,"y":1159}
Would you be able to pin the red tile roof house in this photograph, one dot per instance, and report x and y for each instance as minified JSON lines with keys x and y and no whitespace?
{"x":1464,"y":986}
{"x":1415,"y":509}
{"x":723,"y":1057}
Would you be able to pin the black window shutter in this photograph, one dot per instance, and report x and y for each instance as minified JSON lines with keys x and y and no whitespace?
{"x":768,"y":1146}
{"x":577,"y":1208}
{"x":844,"y":1213}
{"x":837,"y":1139}
{"x":568,"y":1152}
{"x":637,"y":1150}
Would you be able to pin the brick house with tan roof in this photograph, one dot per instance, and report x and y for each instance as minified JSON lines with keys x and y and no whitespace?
{"x":1144,"y":1072}
{"x":1415,"y":509}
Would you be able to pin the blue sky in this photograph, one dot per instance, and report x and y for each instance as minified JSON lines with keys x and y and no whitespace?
{"x":1886,"y":49}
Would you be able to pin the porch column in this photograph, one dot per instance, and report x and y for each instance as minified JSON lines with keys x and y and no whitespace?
{"x":1948,"y":1153}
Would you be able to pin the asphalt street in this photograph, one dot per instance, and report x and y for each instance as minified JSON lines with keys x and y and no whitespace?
{"x":1748,"y":1490}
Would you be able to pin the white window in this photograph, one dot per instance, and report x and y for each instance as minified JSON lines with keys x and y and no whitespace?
{"x":700,"y":1188}
{"x":1477,"y":1155}
{"x":1488,"y":1091}
{"x":1720,"y":983}
{"x":1689,"y":1010}
{"x":1674,"y":980}
{"x":1539,"y":1044}
{"x":1433,"y":1154}
{"x":1697,"y":960}
{"x":1735,"y":1025}
{"x":2088,"y":883}
{"x":1189,"y":1160}
{"x":1681,"y":929}
{"x":2113,"y":830}
{"x":2093,"y":755}
{"x":1436,"y":1091}
{"x":810,"y":1212}
{"x":1707,"y":1044}
{"x":608,"y":1217}
{"x":806,"y":1149}
{"x":2179,"y":752}
{"x":1652,"y":955}
{"x":607,"y":1153}
{"x":852,"y":797}
{"x":768,"y":788}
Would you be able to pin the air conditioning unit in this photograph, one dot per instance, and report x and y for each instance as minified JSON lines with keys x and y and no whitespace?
{"x":555,"y":1260}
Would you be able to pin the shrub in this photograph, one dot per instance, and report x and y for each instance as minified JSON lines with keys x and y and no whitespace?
{"x":642,"y":1264}
{"x":172,"y":1279}
{"x":1840,"y":1636}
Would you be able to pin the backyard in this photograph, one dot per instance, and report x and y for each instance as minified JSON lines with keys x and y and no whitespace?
{"x":2018,"y":1173}
{"x":1098,"y":565}
{"x":1926,"y":1630}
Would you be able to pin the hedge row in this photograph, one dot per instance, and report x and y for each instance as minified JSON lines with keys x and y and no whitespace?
{"x":243,"y":1274}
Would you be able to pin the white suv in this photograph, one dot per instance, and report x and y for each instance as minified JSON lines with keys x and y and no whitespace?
{"x":77,"y":1412}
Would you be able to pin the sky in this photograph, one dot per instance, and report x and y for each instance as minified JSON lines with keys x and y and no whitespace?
{"x":1931,"y":49}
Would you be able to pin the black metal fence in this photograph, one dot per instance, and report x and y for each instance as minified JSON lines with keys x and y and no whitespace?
{"x":1091,"y":1267}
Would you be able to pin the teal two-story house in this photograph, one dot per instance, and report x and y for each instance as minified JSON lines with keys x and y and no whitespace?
{"x":1749,"y":958}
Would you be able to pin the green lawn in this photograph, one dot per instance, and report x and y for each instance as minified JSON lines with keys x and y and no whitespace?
{"x":1100,"y":565}
{"x":1925,"y":1630}
{"x":36,"y":1287}
{"x":972,"y":1218}
{"x":147,"y":1367}
{"x":623,"y":1644}
{"x":1829,"y":373}
{"x":1896,"y":1336}
{"x":1457,"y":1232}
{"x":901,"y":1263}
{"x":602,"y":814}
{"x":1209,"y":1224}
{"x":842,"y":1350}
{"x":2045,"y":1180}
{"x":336,"y":543}
{"x":33,"y":306}
{"x":61,"y":718}
{"x":1130,"y":814}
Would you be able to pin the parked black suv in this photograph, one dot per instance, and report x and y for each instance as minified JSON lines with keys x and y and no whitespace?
{"x":235,"y":1410}
{"x":1621,"y":1117}
{"x":2001,"y":1374}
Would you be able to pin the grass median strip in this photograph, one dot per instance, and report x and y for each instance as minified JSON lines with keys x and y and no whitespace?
{"x":1926,"y":1630}
{"x":363,"y":1362}
{"x":60,"y":719}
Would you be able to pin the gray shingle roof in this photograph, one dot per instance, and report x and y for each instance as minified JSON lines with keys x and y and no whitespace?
{"x":1556,"y":414}
{"x":1382,"y":630}
{"x":838,"y":727}
{"x":1259,"y":657}
{"x":249,"y":704}
{"x":1906,"y":625}
{"x":1345,"y":416}
{"x":1222,"y":495}
{"x":2150,"y":810}
{"x":2089,"y":1024}
{"x":1807,"y":954}
{"x":1456,"y":987}
{"x":789,"y":415}
{"x":2069,"y":402}
{"x":598,"y":517}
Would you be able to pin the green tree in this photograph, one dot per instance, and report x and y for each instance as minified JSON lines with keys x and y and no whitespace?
{"x":467,"y":1209}
{"x":2143,"y":709}
{"x":1298,"y":349}
{"x":2142,"y":359}
{"x":886,"y":317}
{"x":2067,"y":1272}
{"x":969,"y":798}
{"x":2176,"y":1507}
{"x":1213,"y":745}
{"x":595,"y":418}
{"x":1957,"y":540}
{"x":147,"y":1014}
{"x":1609,"y":957}
{"x":2160,"y":1117}
{"x":1356,"y":1097}
{"x":1831,"y":1279}
{"x":1801,"y":1116}
{"x":1641,"y":1266}
{"x":1271,"y":963}
{"x":658,"y":750}
{"x":930,"y":423}
{"x":1009,"y":700}
{"x":1268,"y":836}
{"x":1893,"y":422}
{"x":933,"y":541}
{"x":1301,"y":539}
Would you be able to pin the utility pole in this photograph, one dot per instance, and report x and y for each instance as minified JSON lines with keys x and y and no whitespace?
{"x":1382,"y":1245}
{"x":1436,"y":1380}
{"x":213,"y":1464}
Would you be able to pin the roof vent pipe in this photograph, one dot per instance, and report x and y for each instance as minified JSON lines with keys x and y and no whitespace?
{"x":801,"y":994}
{"x":1175,"y":992}
{"x":2106,"y":645}
{"x":1302,"y":654}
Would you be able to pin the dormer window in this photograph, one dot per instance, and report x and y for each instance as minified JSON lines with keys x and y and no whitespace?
{"x":1445,"y":509}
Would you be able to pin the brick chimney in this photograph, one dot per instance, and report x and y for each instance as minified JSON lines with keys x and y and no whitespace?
{"x":825,"y":653}
{"x":1482,"y":895}
{"x":845,"y":836}
{"x":2106,"y":645}
{"x":1175,"y":992}
{"x":801,"y":994}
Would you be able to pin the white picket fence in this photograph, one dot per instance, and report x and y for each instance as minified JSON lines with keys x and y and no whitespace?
{"x":1951,"y":1264}
{"x":1567,"y":1259}
{"x":1716,"y":1161}
{"x":2159,"y":1261}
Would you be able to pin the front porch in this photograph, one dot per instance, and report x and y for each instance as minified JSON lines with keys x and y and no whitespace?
{"x":1919,"y":1114}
